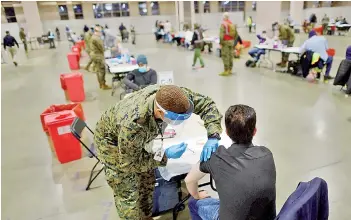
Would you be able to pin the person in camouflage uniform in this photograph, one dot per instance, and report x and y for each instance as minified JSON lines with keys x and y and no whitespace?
{"x":98,"y":58}
{"x":287,"y":37}
{"x":125,"y":132}
{"x":227,"y":34}
{"x":198,"y":43}
{"x":87,"y":37}
{"x":23,"y":38}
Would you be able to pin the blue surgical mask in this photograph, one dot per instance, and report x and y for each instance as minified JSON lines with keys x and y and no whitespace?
{"x":142,"y":69}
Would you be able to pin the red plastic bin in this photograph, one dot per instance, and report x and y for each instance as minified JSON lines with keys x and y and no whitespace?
{"x":76,"y":48}
{"x":75,"y":86}
{"x":66,"y":146}
{"x":81,"y":44}
{"x":53,"y":109}
{"x":73,"y":61}
{"x":246,"y":43}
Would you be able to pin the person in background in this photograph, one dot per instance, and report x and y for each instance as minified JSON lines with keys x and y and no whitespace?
{"x":10,"y":42}
{"x":98,"y":58}
{"x":110,"y":39}
{"x":87,"y":38}
{"x":319,"y":44}
{"x":313,"y":20}
{"x":325,"y":22}
{"x":23,"y":38}
{"x":74,"y":38}
{"x":290,"y":21}
{"x":58,"y":35}
{"x":51,"y":37}
{"x":227,"y":34}
{"x":125,"y":133}
{"x":287,"y":38}
{"x":121,"y":28}
{"x":249,"y":23}
{"x":256,"y":53}
{"x":68,"y":33}
{"x":197,"y":42}
{"x":244,"y":174}
{"x":167,"y":31}
{"x":141,"y":77}
{"x":132,"y":31}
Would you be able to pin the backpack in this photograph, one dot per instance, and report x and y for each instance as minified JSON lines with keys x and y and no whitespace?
{"x":231,"y":29}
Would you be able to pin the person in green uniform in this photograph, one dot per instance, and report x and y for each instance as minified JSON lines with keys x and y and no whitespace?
{"x":23,"y":38}
{"x":124,"y":140}
{"x":198,"y":44}
{"x":227,"y":35}
{"x":87,"y":37}
{"x":98,"y":58}
{"x":287,"y":37}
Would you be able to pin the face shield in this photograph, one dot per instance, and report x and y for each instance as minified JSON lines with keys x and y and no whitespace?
{"x":175,"y":122}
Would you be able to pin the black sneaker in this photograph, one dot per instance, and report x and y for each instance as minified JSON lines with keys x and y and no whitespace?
{"x":15,"y":63}
{"x":328,"y":77}
{"x":318,"y":76}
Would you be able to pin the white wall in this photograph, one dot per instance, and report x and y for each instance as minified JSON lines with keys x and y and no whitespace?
{"x":333,"y":12}
{"x":143,"y":24}
{"x":213,"y":20}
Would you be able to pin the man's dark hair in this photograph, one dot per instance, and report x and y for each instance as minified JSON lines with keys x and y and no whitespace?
{"x":7,"y":32}
{"x":240,"y":122}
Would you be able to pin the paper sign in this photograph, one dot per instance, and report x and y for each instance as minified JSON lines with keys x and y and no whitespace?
{"x":165,"y":78}
{"x":63,"y":130}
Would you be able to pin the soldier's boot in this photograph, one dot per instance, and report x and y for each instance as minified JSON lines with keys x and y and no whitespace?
{"x":225,"y":73}
{"x":105,"y":87}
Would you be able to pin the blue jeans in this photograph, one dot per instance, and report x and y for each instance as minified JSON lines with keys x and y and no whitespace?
{"x":256,"y":53}
{"x":204,"y":209}
{"x":328,"y":64}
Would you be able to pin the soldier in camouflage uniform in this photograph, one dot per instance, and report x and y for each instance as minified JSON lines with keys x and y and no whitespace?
{"x":98,"y":58}
{"x":287,"y":37}
{"x":125,"y":132}
{"x":227,"y":34}
{"x":87,"y":37}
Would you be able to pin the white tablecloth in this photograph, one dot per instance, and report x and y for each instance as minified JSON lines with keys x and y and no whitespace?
{"x":115,"y":67}
{"x":295,"y":50}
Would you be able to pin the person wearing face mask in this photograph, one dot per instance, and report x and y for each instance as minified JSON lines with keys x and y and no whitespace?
{"x":124,"y":139}
{"x":141,"y":77}
{"x":98,"y":58}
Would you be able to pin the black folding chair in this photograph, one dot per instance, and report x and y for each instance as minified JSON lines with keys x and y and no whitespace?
{"x":77,"y":128}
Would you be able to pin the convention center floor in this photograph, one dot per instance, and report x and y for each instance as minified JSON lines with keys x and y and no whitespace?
{"x":307,"y":127}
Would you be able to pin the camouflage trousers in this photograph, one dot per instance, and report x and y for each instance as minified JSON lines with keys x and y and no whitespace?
{"x":99,"y":69}
{"x":227,"y":55}
{"x":285,"y":56}
{"x":133,"y":193}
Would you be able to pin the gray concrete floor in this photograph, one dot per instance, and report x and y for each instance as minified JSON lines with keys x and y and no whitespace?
{"x":307,"y":126}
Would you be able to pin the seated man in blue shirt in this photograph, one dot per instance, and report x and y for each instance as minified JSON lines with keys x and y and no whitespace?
{"x":244,"y":174}
{"x":318,"y":44}
{"x":141,"y":77}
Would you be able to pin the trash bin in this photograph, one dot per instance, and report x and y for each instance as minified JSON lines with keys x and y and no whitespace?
{"x":75,"y":86}
{"x":63,"y":85}
{"x":81,"y":44}
{"x":52,"y":109}
{"x":73,"y":60}
{"x":76,"y":49}
{"x":66,"y":146}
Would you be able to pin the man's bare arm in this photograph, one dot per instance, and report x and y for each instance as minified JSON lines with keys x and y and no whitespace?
{"x":192,"y":180}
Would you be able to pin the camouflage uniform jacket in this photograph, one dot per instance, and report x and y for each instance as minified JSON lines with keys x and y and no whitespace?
{"x":131,"y":125}
{"x":286,"y":33}
{"x":96,"y":48}
{"x":223,"y":32}
{"x":87,"y":39}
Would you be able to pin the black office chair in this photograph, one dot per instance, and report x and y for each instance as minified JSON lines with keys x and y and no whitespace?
{"x":77,"y":128}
